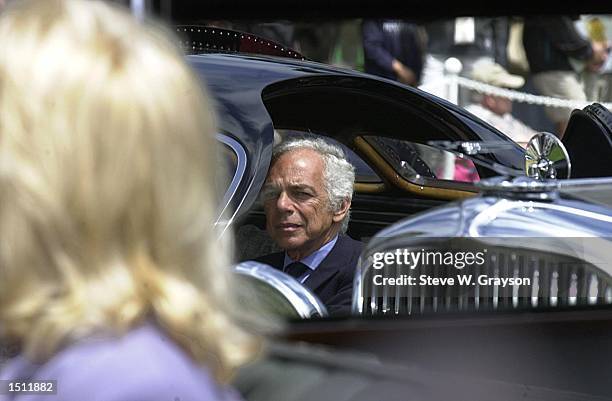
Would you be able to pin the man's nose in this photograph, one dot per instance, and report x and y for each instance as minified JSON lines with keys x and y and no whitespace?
{"x":284,"y":202}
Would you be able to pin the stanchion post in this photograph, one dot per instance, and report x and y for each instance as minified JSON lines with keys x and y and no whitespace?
{"x":452,"y":69}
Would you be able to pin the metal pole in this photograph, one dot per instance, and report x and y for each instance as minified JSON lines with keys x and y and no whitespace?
{"x":452,"y":69}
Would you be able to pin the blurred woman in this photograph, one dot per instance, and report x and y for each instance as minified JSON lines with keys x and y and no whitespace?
{"x":112,"y":281}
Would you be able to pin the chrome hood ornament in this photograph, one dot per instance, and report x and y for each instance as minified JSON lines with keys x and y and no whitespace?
{"x":547,"y":158}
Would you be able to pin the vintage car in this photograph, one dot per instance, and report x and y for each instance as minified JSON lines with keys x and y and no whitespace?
{"x":394,"y":134}
{"x":411,"y":150}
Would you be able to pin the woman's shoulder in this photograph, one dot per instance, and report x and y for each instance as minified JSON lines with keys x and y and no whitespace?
{"x":144,"y":364}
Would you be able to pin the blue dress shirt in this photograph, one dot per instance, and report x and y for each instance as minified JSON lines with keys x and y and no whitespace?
{"x":313,"y":260}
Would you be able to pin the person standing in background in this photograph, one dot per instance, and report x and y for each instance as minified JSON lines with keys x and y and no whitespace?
{"x":555,"y":51}
{"x":597,"y":84}
{"x":393,"y":49}
{"x":496,"y":110}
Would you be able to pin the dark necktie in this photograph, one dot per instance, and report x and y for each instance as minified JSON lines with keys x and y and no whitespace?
{"x":296,"y":269}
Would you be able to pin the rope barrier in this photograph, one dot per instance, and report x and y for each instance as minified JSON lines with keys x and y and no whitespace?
{"x":511,"y":94}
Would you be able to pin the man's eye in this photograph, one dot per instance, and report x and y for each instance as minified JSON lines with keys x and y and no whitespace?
{"x":270,"y":194}
{"x":303,"y":194}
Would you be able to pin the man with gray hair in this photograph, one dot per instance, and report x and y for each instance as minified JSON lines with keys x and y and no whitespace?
{"x":307,"y":196}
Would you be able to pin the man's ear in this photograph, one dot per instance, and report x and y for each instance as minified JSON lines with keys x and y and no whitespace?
{"x":341,"y":213}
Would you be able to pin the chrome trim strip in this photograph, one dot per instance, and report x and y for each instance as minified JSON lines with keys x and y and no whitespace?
{"x":579,"y":182}
{"x":358,"y":300}
{"x":503,"y":205}
{"x":238,"y":174}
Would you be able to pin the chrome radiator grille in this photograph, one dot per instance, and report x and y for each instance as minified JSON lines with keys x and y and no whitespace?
{"x":555,"y":280}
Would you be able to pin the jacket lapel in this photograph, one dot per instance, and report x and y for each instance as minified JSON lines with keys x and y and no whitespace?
{"x":329,"y":267}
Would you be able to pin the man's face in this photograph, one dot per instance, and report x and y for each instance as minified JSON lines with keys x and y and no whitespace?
{"x":298,"y":215}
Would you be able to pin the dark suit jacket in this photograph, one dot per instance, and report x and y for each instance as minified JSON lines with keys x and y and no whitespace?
{"x":332,"y":281}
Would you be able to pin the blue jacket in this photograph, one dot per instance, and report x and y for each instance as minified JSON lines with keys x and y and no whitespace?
{"x":385,"y":40}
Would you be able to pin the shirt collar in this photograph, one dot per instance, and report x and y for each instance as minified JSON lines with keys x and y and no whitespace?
{"x":314,"y":259}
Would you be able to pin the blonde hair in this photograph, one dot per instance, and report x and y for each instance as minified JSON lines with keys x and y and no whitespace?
{"x":107,"y":199}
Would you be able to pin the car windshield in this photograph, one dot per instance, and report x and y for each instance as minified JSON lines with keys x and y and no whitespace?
{"x":414,"y":160}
